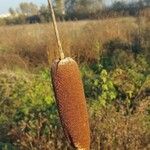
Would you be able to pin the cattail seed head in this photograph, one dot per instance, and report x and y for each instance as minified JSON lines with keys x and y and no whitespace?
{"x":71,"y":102}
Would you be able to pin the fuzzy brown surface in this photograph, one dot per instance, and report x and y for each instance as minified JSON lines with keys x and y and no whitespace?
{"x":71,"y":102}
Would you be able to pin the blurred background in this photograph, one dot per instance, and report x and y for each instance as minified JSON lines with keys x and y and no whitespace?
{"x":110,"y":40}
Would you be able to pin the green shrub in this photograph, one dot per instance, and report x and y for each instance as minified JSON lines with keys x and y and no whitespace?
{"x":98,"y":85}
{"x":23,"y":98}
{"x":6,"y":146}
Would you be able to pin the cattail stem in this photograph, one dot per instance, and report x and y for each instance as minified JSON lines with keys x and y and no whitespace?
{"x":56,"y":30}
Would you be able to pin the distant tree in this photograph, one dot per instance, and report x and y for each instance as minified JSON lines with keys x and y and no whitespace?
{"x":96,"y":5}
{"x":44,"y":13}
{"x":12,"y":11}
{"x":83,"y":7}
{"x":60,"y":7}
{"x":147,"y":3}
{"x":119,"y":6}
{"x":2,"y":22}
{"x":28,"y":8}
{"x":70,"y":6}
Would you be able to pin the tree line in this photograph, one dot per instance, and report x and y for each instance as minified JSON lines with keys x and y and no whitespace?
{"x":74,"y":10}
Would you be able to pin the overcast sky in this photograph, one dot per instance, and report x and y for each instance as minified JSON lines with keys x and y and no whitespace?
{"x":6,"y":4}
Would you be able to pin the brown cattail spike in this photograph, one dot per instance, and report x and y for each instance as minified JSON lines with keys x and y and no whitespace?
{"x":71,"y":102}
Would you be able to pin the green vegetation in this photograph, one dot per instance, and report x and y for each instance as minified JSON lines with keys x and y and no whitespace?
{"x":113,"y":56}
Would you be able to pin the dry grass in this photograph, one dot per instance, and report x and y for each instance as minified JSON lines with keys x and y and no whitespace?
{"x":112,"y":130}
{"x":82,"y":40}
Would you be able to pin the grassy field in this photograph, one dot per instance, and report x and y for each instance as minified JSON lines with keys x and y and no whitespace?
{"x":113,"y":55}
{"x":28,"y":44}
